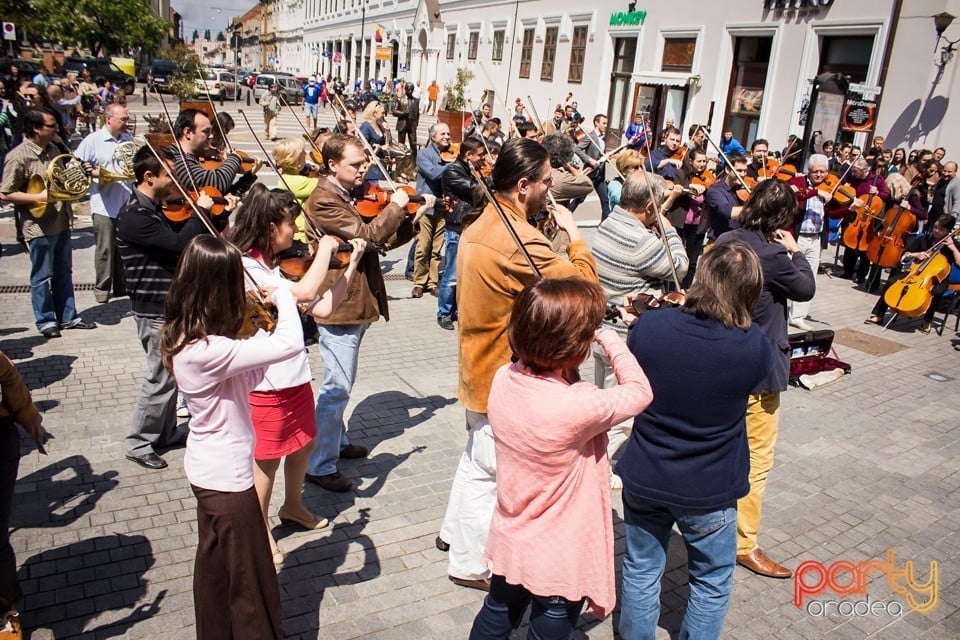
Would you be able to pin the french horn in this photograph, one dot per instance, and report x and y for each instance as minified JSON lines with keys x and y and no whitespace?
{"x":65,"y":180}
{"x":122,"y":160}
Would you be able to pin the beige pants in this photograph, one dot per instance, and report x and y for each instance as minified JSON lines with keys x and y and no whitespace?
{"x":763,"y":416}
{"x":426,"y":259}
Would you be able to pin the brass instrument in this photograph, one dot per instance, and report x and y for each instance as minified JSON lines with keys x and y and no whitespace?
{"x":66,"y":180}
{"x":122,"y":160}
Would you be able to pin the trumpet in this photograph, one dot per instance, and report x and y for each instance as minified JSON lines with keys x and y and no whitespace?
{"x":122,"y":160}
{"x":65,"y":180}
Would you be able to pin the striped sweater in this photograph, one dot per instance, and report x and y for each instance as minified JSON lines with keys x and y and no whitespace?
{"x":631,"y":259}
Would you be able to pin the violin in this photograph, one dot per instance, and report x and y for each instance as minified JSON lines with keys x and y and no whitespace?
{"x":886,"y":249}
{"x":743,"y":194}
{"x":257,"y":315}
{"x":685,"y":190}
{"x":296,"y":261}
{"x":316,"y":156}
{"x":912,"y":296}
{"x":179,"y":209}
{"x":451,"y":154}
{"x":644,"y":302}
{"x":377,"y":198}
{"x":247,"y":162}
{"x":704,"y":179}
{"x":679,"y":154}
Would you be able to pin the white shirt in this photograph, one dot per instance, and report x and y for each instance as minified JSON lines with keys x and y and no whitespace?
{"x":293,"y":371}
{"x":215,"y":376}
{"x":97,"y":148}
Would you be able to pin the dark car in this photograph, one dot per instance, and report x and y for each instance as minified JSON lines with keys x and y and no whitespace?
{"x":100,"y":68}
{"x":160,"y":72}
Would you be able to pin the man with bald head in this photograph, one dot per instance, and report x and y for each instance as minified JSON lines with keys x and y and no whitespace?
{"x":107,"y":197}
{"x":947,"y":196}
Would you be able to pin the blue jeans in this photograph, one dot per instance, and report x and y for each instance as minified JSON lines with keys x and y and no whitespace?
{"x":51,"y":280}
{"x":447,"y":294}
{"x":710,"y":536}
{"x":339,"y":348}
{"x":551,"y":618}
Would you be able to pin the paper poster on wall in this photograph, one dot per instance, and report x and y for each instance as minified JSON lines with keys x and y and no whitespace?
{"x":859,"y":115}
{"x":747,"y":100}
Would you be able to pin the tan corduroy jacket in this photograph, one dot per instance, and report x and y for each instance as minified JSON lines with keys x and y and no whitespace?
{"x":15,"y":398}
{"x":491,"y":272}
{"x":331,"y":210}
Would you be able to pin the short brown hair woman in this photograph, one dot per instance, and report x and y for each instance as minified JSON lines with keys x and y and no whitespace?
{"x":687,"y":459}
{"x":552,"y":523}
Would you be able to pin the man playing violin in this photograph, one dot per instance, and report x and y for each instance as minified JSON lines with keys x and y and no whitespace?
{"x":332,"y":210}
{"x":720,"y":202}
{"x":430,"y":167}
{"x":558,"y":124}
{"x":665,"y":161}
{"x":632,"y":259}
{"x":590,"y":151}
{"x":810,"y":201}
{"x":757,"y":169}
{"x":192,"y":130}
{"x":866,"y":183}
{"x":149,"y":245}
{"x":917,"y":249}
{"x":697,"y":138}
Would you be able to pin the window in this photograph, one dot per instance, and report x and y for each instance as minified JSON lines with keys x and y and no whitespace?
{"x":549,"y":53}
{"x":498,"y":45}
{"x":678,"y":54}
{"x":577,"y":51}
{"x":451,"y":45}
{"x":526,"y":53}
{"x":474,"y":43}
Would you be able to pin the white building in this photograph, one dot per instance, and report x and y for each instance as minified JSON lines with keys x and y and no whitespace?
{"x":743,"y":65}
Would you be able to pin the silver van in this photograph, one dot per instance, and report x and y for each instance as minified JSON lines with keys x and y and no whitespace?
{"x":290,"y":89}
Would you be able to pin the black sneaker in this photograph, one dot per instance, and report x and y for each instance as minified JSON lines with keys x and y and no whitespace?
{"x":445,"y":322}
{"x":79,"y":323}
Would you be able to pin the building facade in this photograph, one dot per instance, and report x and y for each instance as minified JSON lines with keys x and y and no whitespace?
{"x":743,"y":66}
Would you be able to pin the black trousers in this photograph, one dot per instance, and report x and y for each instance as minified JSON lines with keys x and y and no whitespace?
{"x":235,"y":589}
{"x":9,"y":465}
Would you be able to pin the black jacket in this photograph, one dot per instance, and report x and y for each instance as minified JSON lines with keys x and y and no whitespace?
{"x":458,"y":184}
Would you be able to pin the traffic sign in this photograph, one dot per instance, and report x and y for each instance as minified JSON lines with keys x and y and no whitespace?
{"x":9,"y":31}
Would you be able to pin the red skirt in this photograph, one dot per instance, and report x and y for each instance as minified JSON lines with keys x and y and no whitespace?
{"x":284,"y":421}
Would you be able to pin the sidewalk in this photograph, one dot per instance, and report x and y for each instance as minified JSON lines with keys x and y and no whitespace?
{"x":866,"y":464}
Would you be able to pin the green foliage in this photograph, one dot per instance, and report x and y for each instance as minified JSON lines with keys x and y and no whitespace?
{"x":101,"y":26}
{"x":183,"y":81}
{"x":206,"y":34}
{"x":195,"y":36}
{"x":221,"y":37}
{"x":455,"y":98}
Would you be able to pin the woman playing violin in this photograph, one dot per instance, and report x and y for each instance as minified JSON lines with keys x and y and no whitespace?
{"x":866,"y":183}
{"x":917,"y":250}
{"x":374,"y":130}
{"x":281,"y":405}
{"x":694,"y":176}
{"x":291,"y":157}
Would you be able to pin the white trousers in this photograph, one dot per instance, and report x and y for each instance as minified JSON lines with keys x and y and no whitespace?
{"x":473,"y":497}
{"x":604,"y":377}
{"x":810,"y":246}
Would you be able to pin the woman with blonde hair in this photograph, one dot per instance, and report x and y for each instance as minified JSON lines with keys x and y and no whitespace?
{"x":627,"y":163}
{"x":290,"y":155}
{"x":375,"y":132}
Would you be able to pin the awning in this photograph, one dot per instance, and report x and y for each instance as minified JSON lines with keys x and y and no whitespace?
{"x":663,"y":79}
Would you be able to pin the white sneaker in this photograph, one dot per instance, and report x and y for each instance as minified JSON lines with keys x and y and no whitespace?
{"x":616,"y":483}
{"x":800,"y":323}
{"x":182,"y":411}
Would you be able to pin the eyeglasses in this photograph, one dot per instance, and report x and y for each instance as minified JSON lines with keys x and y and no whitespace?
{"x":50,"y":126}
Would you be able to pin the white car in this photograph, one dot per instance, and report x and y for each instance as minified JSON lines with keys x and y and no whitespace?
{"x":217,"y":83}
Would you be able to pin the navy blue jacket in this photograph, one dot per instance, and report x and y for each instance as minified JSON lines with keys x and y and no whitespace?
{"x":784,"y":278}
{"x":689,"y":447}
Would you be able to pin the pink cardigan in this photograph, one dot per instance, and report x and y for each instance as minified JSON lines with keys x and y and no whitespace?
{"x":552,"y":529}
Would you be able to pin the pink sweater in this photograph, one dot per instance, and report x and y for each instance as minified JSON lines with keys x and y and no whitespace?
{"x":215,"y":375}
{"x":552,"y":530}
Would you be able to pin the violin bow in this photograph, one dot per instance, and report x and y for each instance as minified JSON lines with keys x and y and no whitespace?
{"x":601,"y":159}
{"x":725,"y":160}
{"x":659,"y":206}
{"x":369,"y":149}
{"x":306,"y":133}
{"x":506,"y":221}
{"x":536,"y":116}
{"x":176,"y":141}
{"x":216,"y":120}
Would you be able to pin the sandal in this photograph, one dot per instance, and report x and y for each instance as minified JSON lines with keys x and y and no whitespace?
{"x":925,"y":328}
{"x":873,"y":320}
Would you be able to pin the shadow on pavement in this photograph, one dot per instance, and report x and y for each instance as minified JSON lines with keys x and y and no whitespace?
{"x":46,"y":370}
{"x":58,"y":494}
{"x":76,"y":580}
{"x":22,"y":348}
{"x":385,"y":415}
{"x":310,"y":569}
{"x":110,"y":313}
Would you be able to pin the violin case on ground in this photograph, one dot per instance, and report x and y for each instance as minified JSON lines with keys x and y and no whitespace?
{"x":813,"y":360}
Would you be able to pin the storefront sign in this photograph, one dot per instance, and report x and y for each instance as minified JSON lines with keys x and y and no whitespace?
{"x":796,"y":8}
{"x":384,"y":53}
{"x":859,"y":115}
{"x":628,"y":18}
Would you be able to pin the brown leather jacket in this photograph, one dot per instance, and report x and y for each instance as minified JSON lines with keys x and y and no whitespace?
{"x":331,"y":210}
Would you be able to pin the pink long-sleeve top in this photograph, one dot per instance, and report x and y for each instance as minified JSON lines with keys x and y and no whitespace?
{"x":552,"y":530}
{"x":215,"y":376}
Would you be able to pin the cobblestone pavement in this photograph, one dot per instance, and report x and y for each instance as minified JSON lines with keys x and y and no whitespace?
{"x":105,"y":548}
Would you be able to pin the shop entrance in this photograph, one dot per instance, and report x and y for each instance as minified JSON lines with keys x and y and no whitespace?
{"x":748,"y":80}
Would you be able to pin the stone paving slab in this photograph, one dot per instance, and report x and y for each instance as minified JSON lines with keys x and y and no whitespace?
{"x":105,"y":548}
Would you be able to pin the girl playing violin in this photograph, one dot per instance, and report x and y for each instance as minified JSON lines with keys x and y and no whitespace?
{"x":694,"y":176}
{"x":282,"y":408}
{"x":235,"y":586}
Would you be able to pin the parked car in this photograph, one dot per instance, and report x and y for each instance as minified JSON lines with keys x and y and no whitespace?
{"x":161,"y":71}
{"x":290,"y":89}
{"x":101,"y":68}
{"x":217,"y":83}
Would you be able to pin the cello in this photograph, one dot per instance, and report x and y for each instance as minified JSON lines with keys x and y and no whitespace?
{"x":860,"y":232}
{"x":887,"y":247}
{"x":912,"y":296}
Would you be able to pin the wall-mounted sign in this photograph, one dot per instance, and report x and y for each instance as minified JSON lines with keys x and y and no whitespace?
{"x":796,"y":8}
{"x":628,"y":18}
{"x":859,"y":115}
{"x":384,"y":53}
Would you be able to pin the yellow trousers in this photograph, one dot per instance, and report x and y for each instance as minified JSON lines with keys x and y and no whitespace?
{"x":763,"y":416}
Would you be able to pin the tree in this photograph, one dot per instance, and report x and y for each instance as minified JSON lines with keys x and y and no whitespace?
{"x":183,"y":81}
{"x":206,"y":34}
{"x":195,"y":36}
{"x":102,"y":26}
{"x":221,"y":37}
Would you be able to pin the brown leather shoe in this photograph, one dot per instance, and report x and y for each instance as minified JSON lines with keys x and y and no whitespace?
{"x":480,"y":585}
{"x":762,"y":564}
{"x":441,"y":544}
{"x":354,"y":451}
{"x":417,"y":292}
{"x":331,"y":482}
